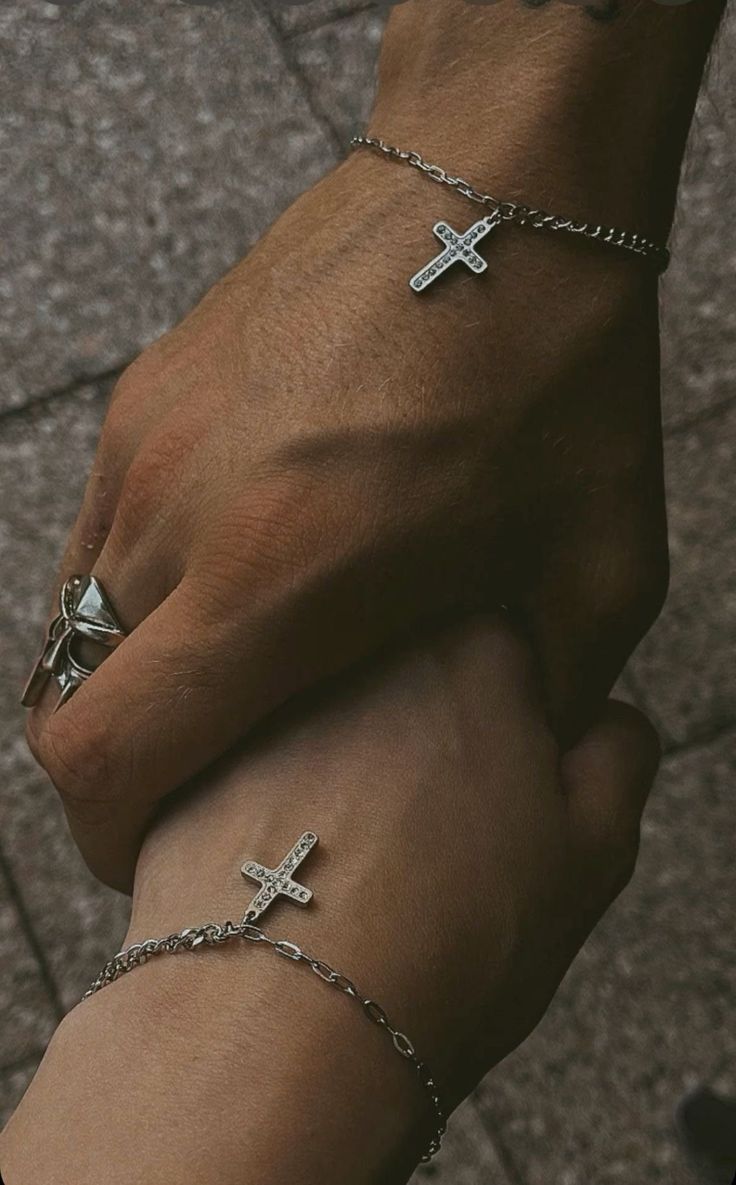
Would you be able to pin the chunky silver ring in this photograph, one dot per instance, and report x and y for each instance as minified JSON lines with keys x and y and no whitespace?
{"x":84,"y":612}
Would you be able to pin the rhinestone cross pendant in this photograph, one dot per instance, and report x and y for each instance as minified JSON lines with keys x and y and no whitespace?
{"x":277,"y":882}
{"x":459,"y":248}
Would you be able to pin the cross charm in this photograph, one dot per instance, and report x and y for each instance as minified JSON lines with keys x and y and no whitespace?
{"x":277,"y":882}
{"x":459,"y":248}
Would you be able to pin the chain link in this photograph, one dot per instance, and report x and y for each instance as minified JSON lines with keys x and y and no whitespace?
{"x":520,"y":214}
{"x":212,"y":934}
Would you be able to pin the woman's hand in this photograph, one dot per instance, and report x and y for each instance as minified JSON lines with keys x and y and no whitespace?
{"x":462,"y":861}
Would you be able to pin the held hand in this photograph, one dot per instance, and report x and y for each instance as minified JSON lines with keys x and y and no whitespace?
{"x":317,"y":459}
{"x":461,"y":864}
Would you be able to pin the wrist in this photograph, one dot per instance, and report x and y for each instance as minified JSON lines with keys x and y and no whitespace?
{"x":281,"y":1068}
{"x":228,"y":1064}
{"x":548,"y":105}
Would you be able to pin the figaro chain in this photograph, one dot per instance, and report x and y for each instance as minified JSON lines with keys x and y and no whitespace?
{"x":213,"y":934}
{"x":520,"y":214}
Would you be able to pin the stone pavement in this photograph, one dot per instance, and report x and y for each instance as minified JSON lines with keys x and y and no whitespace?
{"x":145,"y":146}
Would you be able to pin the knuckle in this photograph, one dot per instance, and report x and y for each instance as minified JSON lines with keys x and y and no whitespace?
{"x":115,"y":437}
{"x":140,"y":495}
{"x":135,"y":387}
{"x":135,"y":383}
{"x":120,"y":419}
{"x":124,"y":393}
{"x":144,"y":495}
{"x":154,"y":483}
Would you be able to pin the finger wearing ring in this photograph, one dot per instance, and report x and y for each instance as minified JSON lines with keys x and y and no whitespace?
{"x":85,"y":613}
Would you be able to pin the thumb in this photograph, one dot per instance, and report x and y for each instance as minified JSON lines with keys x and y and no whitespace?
{"x":607,"y":778}
{"x":598,"y":588}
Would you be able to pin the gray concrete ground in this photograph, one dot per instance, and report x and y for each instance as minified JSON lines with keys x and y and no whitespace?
{"x":145,"y":146}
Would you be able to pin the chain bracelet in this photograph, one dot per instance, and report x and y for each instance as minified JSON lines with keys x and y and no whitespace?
{"x":213,"y":934}
{"x":520,"y":214}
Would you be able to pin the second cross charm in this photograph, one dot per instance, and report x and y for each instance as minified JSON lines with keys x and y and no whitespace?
{"x":277,"y":882}
{"x":459,"y":248}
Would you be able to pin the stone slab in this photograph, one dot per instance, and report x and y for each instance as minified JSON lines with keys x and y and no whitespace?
{"x":699,"y":290}
{"x":14,"y":1081}
{"x":646,"y":1012}
{"x":146,"y":145}
{"x":78,"y":922}
{"x":309,"y":14}
{"x":339,"y":60}
{"x":468,"y":1155}
{"x":27,"y":1016}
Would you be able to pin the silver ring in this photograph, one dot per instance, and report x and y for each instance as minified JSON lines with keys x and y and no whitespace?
{"x":84,"y":612}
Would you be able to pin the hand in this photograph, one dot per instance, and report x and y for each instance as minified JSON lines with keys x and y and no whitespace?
{"x":462,"y":861}
{"x":316,"y":459}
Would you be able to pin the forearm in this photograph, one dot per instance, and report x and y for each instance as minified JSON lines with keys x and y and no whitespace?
{"x":554,"y":105}
{"x":217,"y":1068}
{"x":229,"y":1064}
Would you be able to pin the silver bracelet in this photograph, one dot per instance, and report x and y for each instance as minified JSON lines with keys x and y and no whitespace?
{"x":278,"y":882}
{"x":459,"y":247}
